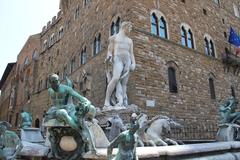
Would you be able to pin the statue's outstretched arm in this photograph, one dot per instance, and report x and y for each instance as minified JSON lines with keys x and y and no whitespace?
{"x":84,"y":101}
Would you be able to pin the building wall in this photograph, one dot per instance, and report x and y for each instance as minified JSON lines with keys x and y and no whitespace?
{"x":192,"y":104}
{"x":8,"y":95}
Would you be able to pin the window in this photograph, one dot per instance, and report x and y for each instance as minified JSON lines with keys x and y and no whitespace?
{"x":187,"y":37}
{"x":158,"y":25}
{"x":112,"y":28}
{"x":236,"y":11}
{"x":204,"y":11}
{"x":16,"y":120}
{"x":216,"y":2}
{"x":209,"y":47}
{"x":154,"y":24}
{"x":212,"y":88}
{"x":52,"y":39}
{"x":183,"y":36}
{"x":37,"y":123}
{"x":26,"y":61}
{"x":83,"y":56}
{"x":35,"y":55}
{"x":72,"y":66}
{"x":162,"y":28}
{"x":65,"y":71}
{"x":60,"y":32}
{"x":225,"y":34}
{"x":233,"y":91}
{"x":45,"y":45}
{"x":10,"y":119}
{"x":77,"y":13}
{"x":97,"y":44}
{"x":172,"y":80}
{"x":86,"y":3}
{"x":115,"y":27}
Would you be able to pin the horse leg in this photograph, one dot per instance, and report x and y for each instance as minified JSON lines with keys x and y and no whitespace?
{"x":171,"y":141}
{"x":151,"y":143}
{"x":160,"y":142}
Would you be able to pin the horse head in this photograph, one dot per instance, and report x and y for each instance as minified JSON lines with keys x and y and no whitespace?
{"x":142,"y":119}
{"x":174,"y":124}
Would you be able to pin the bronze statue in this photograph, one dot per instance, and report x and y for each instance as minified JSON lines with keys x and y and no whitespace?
{"x":26,"y":119}
{"x":10,"y":144}
{"x":66,"y":112}
{"x":126,"y":142}
{"x":227,"y":111}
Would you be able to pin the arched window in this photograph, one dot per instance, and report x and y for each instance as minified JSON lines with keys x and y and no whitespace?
{"x":206,"y":45}
{"x":172,"y":80}
{"x":158,"y":24}
{"x":162,"y":28}
{"x":16,"y":120}
{"x":190,"y":39}
{"x":26,"y":61}
{"x":209,"y":47}
{"x":84,"y":56}
{"x":233,"y":91}
{"x":97,"y":44}
{"x":183,"y":36}
{"x":236,"y":10}
{"x":94,"y":46}
{"x":72,"y":65}
{"x":154,"y":24}
{"x":212,"y":50}
{"x":37,"y":123}
{"x":117,"y":26}
{"x":212,"y":88}
{"x":60,"y":32}
{"x":187,"y":36}
{"x":112,"y":28}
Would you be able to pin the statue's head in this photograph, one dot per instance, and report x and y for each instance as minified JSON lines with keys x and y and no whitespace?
{"x":232,"y":99}
{"x":134,"y":126}
{"x":3,"y":127}
{"x":54,"y":81}
{"x":126,"y":26}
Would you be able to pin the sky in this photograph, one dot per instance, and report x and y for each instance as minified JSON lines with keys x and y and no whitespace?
{"x":18,"y":20}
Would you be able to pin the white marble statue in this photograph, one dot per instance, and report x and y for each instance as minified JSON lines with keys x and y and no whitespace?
{"x":120,"y":56}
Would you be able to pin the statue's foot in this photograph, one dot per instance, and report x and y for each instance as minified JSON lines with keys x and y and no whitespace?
{"x":107,"y":104}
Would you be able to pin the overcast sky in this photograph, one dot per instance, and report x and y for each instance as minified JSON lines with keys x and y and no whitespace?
{"x":19,"y":19}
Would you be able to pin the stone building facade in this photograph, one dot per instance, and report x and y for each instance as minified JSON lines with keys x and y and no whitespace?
{"x":178,"y":46}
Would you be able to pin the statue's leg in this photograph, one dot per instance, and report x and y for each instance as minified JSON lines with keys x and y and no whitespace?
{"x":119,"y":94}
{"x":171,"y":141}
{"x":160,"y":142}
{"x":117,"y":70}
{"x":124,"y":88}
{"x":62,"y":114}
{"x":236,"y":117}
{"x":124,"y":81}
